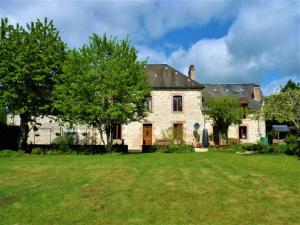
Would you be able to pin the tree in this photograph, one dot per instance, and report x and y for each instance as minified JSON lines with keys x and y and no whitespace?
{"x":3,"y":114}
{"x":224,"y":111}
{"x":103,"y":84}
{"x":30,"y":61}
{"x":290,"y":85}
{"x":283,"y":107}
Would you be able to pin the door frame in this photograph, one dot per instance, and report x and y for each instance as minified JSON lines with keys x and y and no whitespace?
{"x":147,"y":125}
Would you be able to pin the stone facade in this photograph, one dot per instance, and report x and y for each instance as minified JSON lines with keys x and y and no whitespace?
{"x":256,"y":129}
{"x":165,"y":82}
{"x":162,"y":117}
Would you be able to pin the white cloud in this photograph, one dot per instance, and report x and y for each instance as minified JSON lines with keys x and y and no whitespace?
{"x":263,"y":37}
{"x":151,"y":55}
{"x":275,"y":85}
{"x":142,"y":20}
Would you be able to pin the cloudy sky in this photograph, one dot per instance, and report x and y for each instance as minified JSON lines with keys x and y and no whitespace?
{"x":228,"y":41}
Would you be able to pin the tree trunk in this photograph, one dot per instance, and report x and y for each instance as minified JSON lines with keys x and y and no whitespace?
{"x":220,"y":137}
{"x":108,"y":143}
{"x":24,"y":129}
{"x":108,"y":132}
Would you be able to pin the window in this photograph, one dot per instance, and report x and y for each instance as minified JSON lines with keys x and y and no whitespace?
{"x":117,"y":131}
{"x":245,"y":110}
{"x":243,"y":132}
{"x":148,"y":104}
{"x":244,"y":104}
{"x":178,"y":131}
{"x":177,"y":103}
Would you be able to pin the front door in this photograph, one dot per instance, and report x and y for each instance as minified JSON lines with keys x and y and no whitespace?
{"x":147,"y":134}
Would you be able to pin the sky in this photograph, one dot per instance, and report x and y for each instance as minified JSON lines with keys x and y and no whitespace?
{"x":230,"y":41}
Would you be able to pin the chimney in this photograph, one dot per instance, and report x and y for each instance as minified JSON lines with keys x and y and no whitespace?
{"x":192,"y":72}
{"x":256,"y":93}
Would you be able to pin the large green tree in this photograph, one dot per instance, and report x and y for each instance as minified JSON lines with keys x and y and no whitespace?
{"x":3,"y":114}
{"x":224,"y":111}
{"x":30,"y":60}
{"x":283,"y":107}
{"x":103,"y":84}
{"x":290,"y":85}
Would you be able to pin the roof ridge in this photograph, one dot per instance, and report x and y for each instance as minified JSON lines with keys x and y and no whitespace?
{"x":185,"y":76}
{"x":230,"y":84}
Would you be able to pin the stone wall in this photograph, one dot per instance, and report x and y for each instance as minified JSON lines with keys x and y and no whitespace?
{"x":50,"y":129}
{"x":255,"y":129}
{"x":163,"y":117}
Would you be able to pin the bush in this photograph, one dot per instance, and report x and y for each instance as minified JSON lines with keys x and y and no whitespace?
{"x":233,"y":141}
{"x":248,"y":147}
{"x":280,"y":149}
{"x":218,"y":148}
{"x":172,"y":136}
{"x":290,"y":139}
{"x":292,"y":149}
{"x":10,"y":153}
{"x":37,"y":151}
{"x":173,"y":148}
{"x":259,"y":148}
{"x":64,"y":143}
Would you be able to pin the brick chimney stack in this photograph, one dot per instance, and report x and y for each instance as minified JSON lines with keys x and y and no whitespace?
{"x":257,"y":93}
{"x":192,"y":72}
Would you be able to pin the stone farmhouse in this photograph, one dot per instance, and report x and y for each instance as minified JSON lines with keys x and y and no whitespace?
{"x":177,"y":101}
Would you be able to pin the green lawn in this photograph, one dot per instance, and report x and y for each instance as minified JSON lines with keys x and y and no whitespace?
{"x":196,"y":188}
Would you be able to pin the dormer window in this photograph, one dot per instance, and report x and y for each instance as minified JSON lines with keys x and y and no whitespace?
{"x":244,"y":104}
{"x":245,"y":110}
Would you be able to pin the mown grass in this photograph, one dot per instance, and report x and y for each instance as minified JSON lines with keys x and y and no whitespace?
{"x":196,"y":188}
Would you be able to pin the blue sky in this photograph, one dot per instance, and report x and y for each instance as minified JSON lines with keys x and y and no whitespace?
{"x":228,"y":41}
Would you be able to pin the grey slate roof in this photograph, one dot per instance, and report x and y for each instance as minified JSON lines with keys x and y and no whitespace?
{"x":236,"y":90}
{"x":163,"y":76}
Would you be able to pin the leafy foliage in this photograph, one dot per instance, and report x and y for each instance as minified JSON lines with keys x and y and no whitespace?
{"x":30,"y":62}
{"x":103,"y":84}
{"x":3,"y":114}
{"x":172,"y":136}
{"x":37,"y":151}
{"x":224,"y":111}
{"x":10,"y":153}
{"x":283,"y":107}
{"x":289,"y":149}
{"x":175,"y":148}
{"x":290,"y":85}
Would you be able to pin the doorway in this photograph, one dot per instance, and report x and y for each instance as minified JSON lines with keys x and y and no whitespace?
{"x":147,"y":134}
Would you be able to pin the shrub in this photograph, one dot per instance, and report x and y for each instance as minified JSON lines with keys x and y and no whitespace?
{"x":64,"y":143}
{"x":280,"y":149}
{"x":172,"y":136}
{"x":10,"y":153}
{"x":292,"y":149}
{"x":37,"y":151}
{"x":54,"y":152}
{"x":290,"y":139}
{"x":223,"y":148}
{"x":173,"y":148}
{"x":259,"y":148}
{"x":248,"y":147}
{"x":233,"y":141}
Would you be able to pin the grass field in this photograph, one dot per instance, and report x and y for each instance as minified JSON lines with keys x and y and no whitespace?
{"x":197,"y":188}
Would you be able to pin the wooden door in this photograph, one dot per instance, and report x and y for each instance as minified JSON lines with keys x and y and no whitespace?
{"x":147,"y":134}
